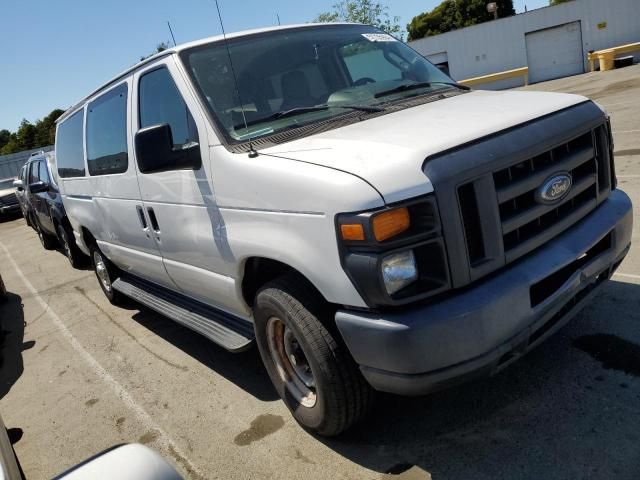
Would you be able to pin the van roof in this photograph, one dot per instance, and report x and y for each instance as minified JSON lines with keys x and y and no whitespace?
{"x":184,"y":46}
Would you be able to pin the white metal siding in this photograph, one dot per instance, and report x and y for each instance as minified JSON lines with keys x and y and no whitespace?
{"x":554,"y":52}
{"x":500,"y":45}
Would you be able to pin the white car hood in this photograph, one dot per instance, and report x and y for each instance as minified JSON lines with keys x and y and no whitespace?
{"x":388,"y":151}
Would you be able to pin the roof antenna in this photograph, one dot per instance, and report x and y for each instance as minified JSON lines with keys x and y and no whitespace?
{"x":252,"y":152}
{"x":171,"y":31}
{"x":277,"y":15}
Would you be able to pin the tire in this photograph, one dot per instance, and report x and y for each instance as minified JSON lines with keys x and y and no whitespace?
{"x":32,"y":221}
{"x":69,"y":247}
{"x":47,"y":241}
{"x":321,"y":384}
{"x":106,"y":273}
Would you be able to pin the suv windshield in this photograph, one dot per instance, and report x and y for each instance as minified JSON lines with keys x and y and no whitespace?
{"x":293,"y":77}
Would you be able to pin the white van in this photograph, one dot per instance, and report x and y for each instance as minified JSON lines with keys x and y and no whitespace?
{"x":328,"y":193}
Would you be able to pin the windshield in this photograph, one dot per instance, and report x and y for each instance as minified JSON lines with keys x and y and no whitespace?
{"x":6,"y":183}
{"x":282,"y":74}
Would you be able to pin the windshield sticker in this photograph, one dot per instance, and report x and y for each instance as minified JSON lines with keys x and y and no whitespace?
{"x":379,"y":37}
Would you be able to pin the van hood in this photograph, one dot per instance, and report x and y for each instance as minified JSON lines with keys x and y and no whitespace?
{"x":388,"y":151}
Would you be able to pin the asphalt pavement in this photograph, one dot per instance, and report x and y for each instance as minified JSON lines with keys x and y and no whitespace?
{"x":79,"y":375}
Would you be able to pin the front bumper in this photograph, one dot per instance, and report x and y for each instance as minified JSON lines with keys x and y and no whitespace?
{"x":15,"y":207}
{"x":490,"y":324}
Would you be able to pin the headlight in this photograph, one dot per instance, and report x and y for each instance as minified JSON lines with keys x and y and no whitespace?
{"x":398,"y":271}
{"x":394,"y":255}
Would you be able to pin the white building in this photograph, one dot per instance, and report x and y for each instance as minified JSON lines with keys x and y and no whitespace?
{"x":552,"y":41}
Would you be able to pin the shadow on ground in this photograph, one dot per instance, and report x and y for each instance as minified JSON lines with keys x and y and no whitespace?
{"x":244,"y":369}
{"x":569,"y":409}
{"x":11,"y":342}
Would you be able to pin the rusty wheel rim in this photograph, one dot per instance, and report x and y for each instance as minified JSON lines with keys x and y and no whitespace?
{"x":291,"y":362}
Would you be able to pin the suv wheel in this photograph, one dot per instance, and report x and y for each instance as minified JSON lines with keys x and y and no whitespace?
{"x":69,"y":247}
{"x":47,"y":241}
{"x":107,"y":273}
{"x":310,"y":368}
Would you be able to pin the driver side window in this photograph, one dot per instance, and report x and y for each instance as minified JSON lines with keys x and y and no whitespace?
{"x":160,"y":102}
{"x":44,"y":173}
{"x":33,"y":172}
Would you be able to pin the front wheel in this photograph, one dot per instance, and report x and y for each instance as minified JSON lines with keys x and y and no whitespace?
{"x":310,"y":368}
{"x":107,"y":273}
{"x":47,"y":241}
{"x":69,"y":247}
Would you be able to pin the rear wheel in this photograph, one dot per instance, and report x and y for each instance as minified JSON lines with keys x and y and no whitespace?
{"x":107,"y":273}
{"x":310,"y":368}
{"x":69,"y":247}
{"x":47,"y":241}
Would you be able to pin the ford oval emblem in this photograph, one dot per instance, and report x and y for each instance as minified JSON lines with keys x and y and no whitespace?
{"x":555,"y":188}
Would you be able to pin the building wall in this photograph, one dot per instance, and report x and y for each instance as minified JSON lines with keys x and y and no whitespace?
{"x":500,"y":45}
{"x":10,"y":164}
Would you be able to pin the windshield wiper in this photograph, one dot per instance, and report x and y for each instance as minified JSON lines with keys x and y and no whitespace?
{"x":414,"y":86}
{"x":454,"y":84}
{"x":405,"y":87}
{"x":300,"y":110}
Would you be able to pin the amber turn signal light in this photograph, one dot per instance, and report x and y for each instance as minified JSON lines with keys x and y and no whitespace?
{"x":352,"y":232}
{"x":390,"y":223}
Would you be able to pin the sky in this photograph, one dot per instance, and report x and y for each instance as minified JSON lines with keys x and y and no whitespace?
{"x":57,"y":52}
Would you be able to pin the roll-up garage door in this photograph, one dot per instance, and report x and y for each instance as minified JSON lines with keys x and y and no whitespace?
{"x":554,"y":52}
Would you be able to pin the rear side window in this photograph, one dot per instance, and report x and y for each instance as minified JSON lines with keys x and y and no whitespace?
{"x":107,"y":133}
{"x":160,"y":102}
{"x":70,"y":146}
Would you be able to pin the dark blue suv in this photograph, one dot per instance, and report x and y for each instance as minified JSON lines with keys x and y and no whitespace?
{"x":46,"y":211}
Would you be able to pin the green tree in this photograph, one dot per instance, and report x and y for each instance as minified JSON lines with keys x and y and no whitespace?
{"x":11,"y":146}
{"x":46,"y":128}
{"x":5,"y":135}
{"x":30,"y":135}
{"x":558,"y":2}
{"x":161,"y":47}
{"x":455,"y":14}
{"x":363,"y":11}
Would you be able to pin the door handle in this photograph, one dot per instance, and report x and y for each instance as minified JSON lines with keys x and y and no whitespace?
{"x":143,"y":221}
{"x":154,"y":220}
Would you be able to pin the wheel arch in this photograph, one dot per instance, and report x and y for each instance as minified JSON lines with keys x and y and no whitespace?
{"x":256,"y":271}
{"x":87,"y":237}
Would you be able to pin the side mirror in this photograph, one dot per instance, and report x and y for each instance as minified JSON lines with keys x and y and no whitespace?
{"x":38,"y":187}
{"x":155,"y":151}
{"x":125,"y":462}
{"x":17,"y":184}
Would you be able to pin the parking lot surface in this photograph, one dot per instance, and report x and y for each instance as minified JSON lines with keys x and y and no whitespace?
{"x":80,"y":375}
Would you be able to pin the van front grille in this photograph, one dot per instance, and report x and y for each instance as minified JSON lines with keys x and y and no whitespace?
{"x":527,"y":223}
{"x":471,"y":222}
{"x":494,"y":193}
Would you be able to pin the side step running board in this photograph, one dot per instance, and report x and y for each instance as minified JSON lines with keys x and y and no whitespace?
{"x":228,"y":331}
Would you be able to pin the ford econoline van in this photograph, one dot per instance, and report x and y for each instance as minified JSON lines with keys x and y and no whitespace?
{"x":325,"y":192}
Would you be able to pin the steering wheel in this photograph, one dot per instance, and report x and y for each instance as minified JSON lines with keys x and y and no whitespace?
{"x":363,"y":81}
